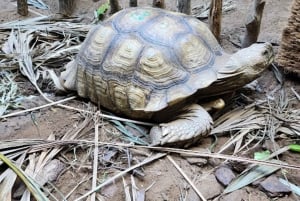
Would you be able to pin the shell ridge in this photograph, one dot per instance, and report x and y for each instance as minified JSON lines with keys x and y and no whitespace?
{"x":149,"y":65}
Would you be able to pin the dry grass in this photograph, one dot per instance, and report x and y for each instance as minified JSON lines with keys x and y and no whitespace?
{"x":9,"y":95}
{"x":39,"y":46}
{"x":271,"y":118}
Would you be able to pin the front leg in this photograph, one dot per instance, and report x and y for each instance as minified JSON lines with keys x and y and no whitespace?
{"x":188,"y":127}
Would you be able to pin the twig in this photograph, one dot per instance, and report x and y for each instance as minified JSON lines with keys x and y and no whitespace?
{"x":146,"y":161}
{"x":95,"y":159}
{"x":37,"y":108}
{"x":107,"y":116}
{"x":296,"y":94}
{"x":186,"y":177}
{"x":82,"y":181}
{"x":78,"y":110}
{"x":126,"y":190}
{"x":44,"y":144}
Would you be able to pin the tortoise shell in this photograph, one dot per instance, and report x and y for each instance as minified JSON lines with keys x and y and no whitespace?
{"x":144,"y":60}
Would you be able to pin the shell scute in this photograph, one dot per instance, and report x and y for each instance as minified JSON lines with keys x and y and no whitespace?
{"x":98,"y":41}
{"x":122,"y":58}
{"x":193,"y":53}
{"x":143,"y":60}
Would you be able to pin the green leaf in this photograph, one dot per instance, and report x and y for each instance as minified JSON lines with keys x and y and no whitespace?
{"x":132,"y":125}
{"x":250,"y":176}
{"x":102,"y":9}
{"x":128,"y":135}
{"x":31,"y":185}
{"x":294,"y":147}
{"x":261,"y":155}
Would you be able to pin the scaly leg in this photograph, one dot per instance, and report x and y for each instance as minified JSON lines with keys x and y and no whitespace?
{"x":193,"y":123}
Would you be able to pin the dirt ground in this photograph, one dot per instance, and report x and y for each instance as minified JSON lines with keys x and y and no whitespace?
{"x":161,"y":179}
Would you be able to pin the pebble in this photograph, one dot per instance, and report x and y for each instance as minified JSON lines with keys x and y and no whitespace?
{"x":274,"y":187}
{"x":224,"y":175}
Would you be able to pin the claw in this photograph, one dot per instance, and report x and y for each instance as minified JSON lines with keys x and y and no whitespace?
{"x":190,"y":125}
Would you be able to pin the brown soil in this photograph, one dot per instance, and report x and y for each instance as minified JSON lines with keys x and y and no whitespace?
{"x":163,"y":180}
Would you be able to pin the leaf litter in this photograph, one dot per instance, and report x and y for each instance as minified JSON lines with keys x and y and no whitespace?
{"x":39,"y":46}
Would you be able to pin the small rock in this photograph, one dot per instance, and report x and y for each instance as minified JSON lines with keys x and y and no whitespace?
{"x":244,"y":194}
{"x":235,"y":195}
{"x":270,"y":145}
{"x":196,"y":161}
{"x":224,"y":175}
{"x":50,"y":172}
{"x":208,"y":186}
{"x":274,"y":187}
{"x":109,"y":191}
{"x":214,"y":162}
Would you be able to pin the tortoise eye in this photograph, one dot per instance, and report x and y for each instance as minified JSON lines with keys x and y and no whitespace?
{"x":265,"y":53}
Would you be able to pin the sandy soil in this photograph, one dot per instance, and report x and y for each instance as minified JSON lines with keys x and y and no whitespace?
{"x":163,"y":180}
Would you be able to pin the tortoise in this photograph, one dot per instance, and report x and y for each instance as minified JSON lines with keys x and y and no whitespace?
{"x":149,"y":63}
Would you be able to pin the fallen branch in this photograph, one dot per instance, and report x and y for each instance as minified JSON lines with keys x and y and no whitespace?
{"x":215,"y":17}
{"x":38,"y":145}
{"x":22,"y":7}
{"x":184,"y":6}
{"x":253,"y":23}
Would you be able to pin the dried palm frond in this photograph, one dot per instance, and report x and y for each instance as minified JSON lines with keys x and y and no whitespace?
{"x":34,"y":49}
{"x":40,"y":43}
{"x":38,"y":4}
{"x":42,"y":167}
{"x":33,"y":187}
{"x":9,"y":96}
{"x":250,"y":176}
{"x":264,"y":119}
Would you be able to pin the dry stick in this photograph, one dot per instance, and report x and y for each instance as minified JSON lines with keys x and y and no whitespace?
{"x":126,"y":190}
{"x":107,"y":116}
{"x":253,"y":23}
{"x":186,"y":177}
{"x":184,"y":6}
{"x":32,"y":11}
{"x":44,"y":144}
{"x":159,"y":4}
{"x":296,"y":94}
{"x":114,"y":6}
{"x":215,"y":17}
{"x":66,"y":7}
{"x":147,"y":160}
{"x":95,"y":162}
{"x":37,"y":108}
{"x":78,"y":110}
{"x":133,"y":3}
{"x":22,"y":7}
{"x":75,"y":187}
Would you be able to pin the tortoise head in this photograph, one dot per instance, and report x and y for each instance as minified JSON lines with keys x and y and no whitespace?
{"x":68,"y":77}
{"x":248,"y":62}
